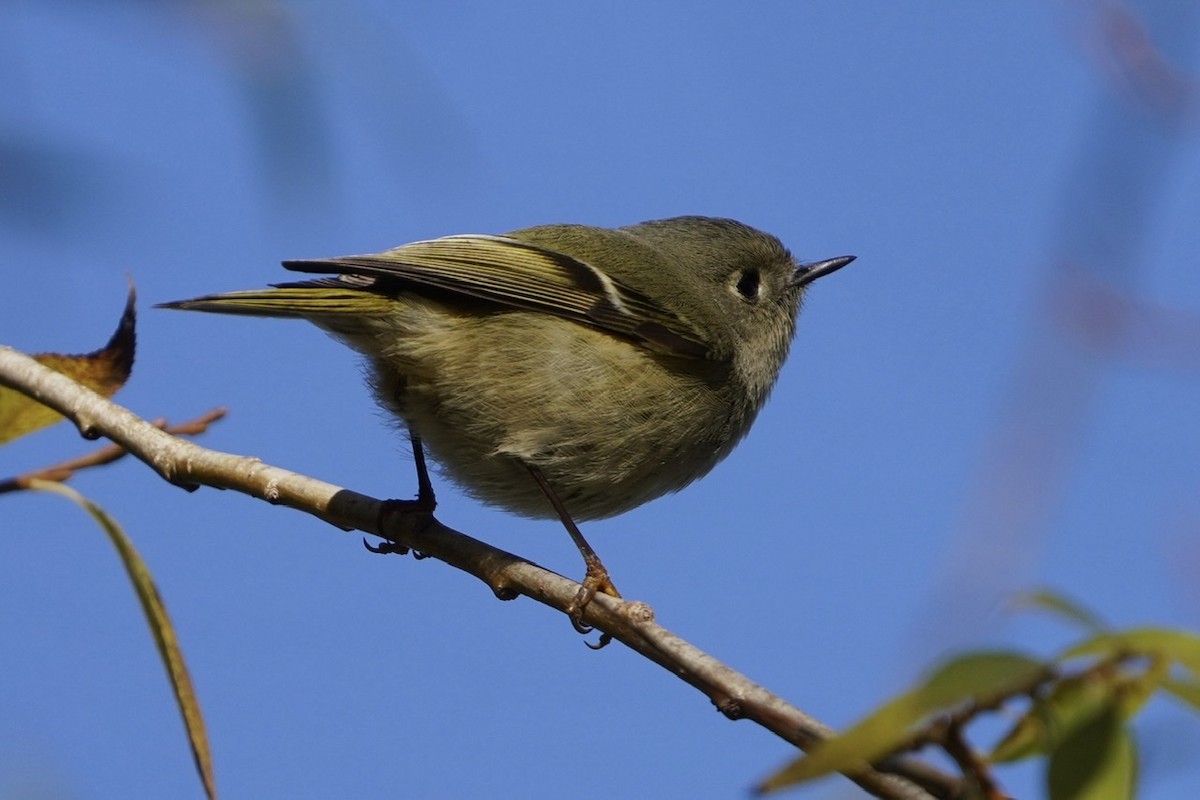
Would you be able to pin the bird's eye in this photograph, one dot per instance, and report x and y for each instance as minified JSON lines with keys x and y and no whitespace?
{"x":748,"y":284}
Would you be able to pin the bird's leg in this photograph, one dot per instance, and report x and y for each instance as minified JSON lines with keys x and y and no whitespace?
{"x":425,"y":503}
{"x":425,"y":497}
{"x":596,"y":577}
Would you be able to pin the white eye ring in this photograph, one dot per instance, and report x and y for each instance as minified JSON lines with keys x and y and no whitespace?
{"x":748,"y":285}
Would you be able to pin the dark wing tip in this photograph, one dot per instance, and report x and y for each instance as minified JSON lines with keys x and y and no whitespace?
{"x":317,"y":265}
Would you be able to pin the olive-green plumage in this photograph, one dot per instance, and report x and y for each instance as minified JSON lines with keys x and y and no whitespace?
{"x":621,"y":363}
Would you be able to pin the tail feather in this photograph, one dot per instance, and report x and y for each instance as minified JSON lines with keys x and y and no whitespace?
{"x":305,"y":300}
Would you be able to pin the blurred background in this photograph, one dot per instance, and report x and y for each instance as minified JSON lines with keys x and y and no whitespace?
{"x":999,"y":395}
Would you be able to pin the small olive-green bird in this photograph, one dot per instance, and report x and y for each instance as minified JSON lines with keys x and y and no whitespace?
{"x":562,"y":370}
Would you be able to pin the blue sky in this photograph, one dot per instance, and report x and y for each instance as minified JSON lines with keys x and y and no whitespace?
{"x":998,"y":395}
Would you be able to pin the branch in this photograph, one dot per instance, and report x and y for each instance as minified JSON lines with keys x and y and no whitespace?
{"x":187,"y":465}
{"x":65,"y":470}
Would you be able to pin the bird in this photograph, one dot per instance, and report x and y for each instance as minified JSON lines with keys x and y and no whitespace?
{"x":566,"y":371}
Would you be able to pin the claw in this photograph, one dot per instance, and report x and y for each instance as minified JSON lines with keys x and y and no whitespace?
{"x":596,"y":580}
{"x":385,"y":547}
{"x":601,"y":643}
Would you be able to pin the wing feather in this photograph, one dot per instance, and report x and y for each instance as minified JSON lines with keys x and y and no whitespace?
{"x":518,"y":274}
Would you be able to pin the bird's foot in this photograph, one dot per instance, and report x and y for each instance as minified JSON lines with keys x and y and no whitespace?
{"x":389,"y":508}
{"x":596,"y":580}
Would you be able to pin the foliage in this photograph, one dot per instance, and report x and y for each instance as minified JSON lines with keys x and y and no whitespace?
{"x":105,"y":371}
{"x":1075,"y":710}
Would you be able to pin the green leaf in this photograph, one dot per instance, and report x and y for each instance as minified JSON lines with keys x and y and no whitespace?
{"x":1186,"y":690}
{"x":1097,"y":761}
{"x":1074,"y":701}
{"x":1182,"y":647}
{"x":972,"y":677}
{"x":103,"y":371}
{"x":1050,"y":719}
{"x":1030,"y":736}
{"x":160,"y":627}
{"x":977,"y":677}
{"x":1134,"y":691}
{"x":1060,"y":605}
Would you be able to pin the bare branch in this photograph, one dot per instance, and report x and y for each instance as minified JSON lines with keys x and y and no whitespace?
{"x":65,"y":470}
{"x":632,"y":623}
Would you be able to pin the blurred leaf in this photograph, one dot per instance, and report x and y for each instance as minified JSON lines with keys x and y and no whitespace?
{"x":1061,"y":606}
{"x":1134,"y":691}
{"x":1052,"y":718}
{"x":160,"y":626}
{"x":973,"y":677}
{"x":1030,"y":736}
{"x":103,"y":371}
{"x":1180,"y":646}
{"x":1186,"y":690}
{"x":1074,"y":701}
{"x":1097,"y":761}
{"x":977,"y":677}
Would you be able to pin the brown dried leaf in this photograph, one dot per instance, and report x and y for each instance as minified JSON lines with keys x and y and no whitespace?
{"x":104,"y":371}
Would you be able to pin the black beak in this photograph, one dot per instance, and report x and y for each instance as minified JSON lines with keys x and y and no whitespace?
{"x":807,"y":273}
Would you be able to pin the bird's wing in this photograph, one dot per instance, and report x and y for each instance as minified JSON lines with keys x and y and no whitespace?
{"x":517,"y":274}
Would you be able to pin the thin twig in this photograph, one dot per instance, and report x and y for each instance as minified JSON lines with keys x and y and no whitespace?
{"x":65,"y":470}
{"x":972,"y":766}
{"x":186,"y":464}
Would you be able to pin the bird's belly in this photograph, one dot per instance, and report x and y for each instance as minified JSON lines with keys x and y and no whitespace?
{"x":610,"y":425}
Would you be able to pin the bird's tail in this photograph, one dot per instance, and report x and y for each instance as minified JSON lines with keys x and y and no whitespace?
{"x":306,"y":299}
